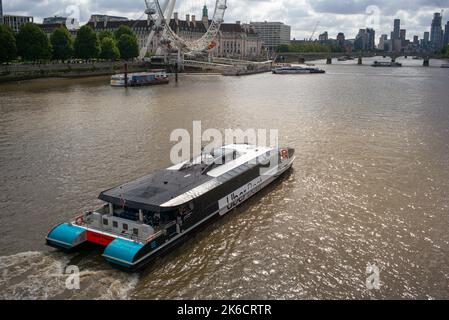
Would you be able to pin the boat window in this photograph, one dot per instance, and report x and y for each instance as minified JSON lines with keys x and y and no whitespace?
{"x":115,"y":224}
{"x":125,"y":226}
{"x":105,"y":222}
{"x":136,"y":231}
{"x":224,"y":155}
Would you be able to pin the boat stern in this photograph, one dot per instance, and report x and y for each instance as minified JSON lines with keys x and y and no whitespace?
{"x":123,"y":253}
{"x":66,"y":236}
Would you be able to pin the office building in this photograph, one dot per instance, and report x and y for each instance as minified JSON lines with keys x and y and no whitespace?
{"x":416,"y":40}
{"x":365,"y":40}
{"x":341,"y":39}
{"x":324,"y":36}
{"x":383,"y":42}
{"x":446,"y":33}
{"x":1,"y":12}
{"x":397,"y":29}
{"x":436,"y":32}
{"x":426,"y":39}
{"x":106,"y":18}
{"x":403,"y":34}
{"x":55,"y":20}
{"x":273,"y":34}
{"x":15,"y":22}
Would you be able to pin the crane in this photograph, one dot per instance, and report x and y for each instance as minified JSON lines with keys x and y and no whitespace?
{"x":314,"y":30}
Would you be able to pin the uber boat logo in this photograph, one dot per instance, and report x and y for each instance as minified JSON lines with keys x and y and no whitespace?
{"x":73,"y":280}
{"x":373,"y":280}
{"x":240,"y":195}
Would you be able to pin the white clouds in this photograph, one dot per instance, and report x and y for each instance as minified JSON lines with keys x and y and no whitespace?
{"x":334,"y":15}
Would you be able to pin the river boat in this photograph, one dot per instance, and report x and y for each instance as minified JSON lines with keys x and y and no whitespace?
{"x":386,"y":64}
{"x":297,"y":70}
{"x":154,"y":77}
{"x":143,"y":219}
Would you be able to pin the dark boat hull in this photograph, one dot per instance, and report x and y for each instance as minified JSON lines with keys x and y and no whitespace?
{"x":186,"y":235}
{"x":153,"y":250}
{"x":149,"y":83}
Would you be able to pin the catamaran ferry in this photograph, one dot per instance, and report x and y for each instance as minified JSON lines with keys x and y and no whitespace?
{"x":297,"y":70}
{"x":142,"y":219}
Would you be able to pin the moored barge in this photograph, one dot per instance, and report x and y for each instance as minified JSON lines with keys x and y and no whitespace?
{"x":386,"y":64}
{"x":142,"y":219}
{"x":152,"y":78}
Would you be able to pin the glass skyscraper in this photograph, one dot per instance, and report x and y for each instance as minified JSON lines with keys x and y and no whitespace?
{"x":1,"y":12}
{"x":397,"y":29}
{"x":436,"y":32}
{"x":446,"y":33}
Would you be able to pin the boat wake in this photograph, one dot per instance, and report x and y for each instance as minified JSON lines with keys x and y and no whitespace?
{"x":41,"y":275}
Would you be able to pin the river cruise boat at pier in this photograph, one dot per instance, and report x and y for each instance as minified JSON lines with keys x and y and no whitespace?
{"x":152,"y":78}
{"x":386,"y":64}
{"x":297,"y":70}
{"x":143,"y":219}
{"x":345,"y":58}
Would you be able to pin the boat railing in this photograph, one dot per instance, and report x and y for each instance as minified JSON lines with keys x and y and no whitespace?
{"x":161,"y":232}
{"x":83,"y":220}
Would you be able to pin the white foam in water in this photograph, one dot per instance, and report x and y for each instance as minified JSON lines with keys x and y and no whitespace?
{"x":32,"y":275}
{"x":39,"y":275}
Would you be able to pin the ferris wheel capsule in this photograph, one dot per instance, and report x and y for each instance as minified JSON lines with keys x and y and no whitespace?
{"x":150,"y":11}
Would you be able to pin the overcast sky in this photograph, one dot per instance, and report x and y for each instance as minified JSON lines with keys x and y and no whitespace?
{"x":332,"y":15}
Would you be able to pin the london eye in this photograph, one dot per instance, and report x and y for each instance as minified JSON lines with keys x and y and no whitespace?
{"x":159,"y":14}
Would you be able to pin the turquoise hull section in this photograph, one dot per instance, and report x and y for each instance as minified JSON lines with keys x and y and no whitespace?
{"x":122,"y":252}
{"x":67,"y":236}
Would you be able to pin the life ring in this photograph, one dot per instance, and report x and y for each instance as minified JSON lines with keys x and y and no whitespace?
{"x":212,"y":45}
{"x":79,"y":220}
{"x":284,"y":153}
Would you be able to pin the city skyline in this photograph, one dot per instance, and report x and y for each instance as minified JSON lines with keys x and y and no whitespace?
{"x":302,"y":15}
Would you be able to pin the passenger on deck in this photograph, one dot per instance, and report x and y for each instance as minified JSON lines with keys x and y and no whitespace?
{"x":157,"y":219}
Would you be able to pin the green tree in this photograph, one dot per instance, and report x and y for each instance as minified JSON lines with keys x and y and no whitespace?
{"x":109,"y":49}
{"x":86,"y":43}
{"x":32,"y":43}
{"x":128,"y":46}
{"x":310,"y":47}
{"x":62,"y":44}
{"x":284,"y":48}
{"x":123,"y":30}
{"x":105,"y":34}
{"x":8,"y":48}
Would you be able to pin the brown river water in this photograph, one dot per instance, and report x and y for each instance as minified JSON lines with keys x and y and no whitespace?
{"x":370,"y":184}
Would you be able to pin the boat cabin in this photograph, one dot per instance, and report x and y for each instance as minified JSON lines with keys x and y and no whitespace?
{"x":160,"y":202}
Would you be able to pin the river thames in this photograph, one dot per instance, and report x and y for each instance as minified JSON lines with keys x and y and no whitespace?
{"x":370,"y":184}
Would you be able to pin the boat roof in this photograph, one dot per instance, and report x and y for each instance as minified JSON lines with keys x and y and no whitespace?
{"x":168,"y":189}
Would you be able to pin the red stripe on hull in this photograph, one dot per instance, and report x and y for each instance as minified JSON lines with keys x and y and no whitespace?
{"x":98,"y":238}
